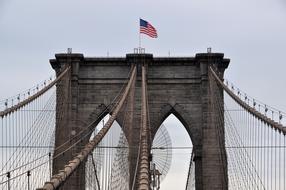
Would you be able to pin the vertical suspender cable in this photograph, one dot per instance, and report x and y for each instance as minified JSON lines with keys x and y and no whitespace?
{"x":8,"y":182}
{"x":50,"y":164}
{"x":279,"y":159}
{"x":262,"y":155}
{"x":28,"y":176}
{"x":284,"y":162}
{"x":275,"y":159}
{"x":268,"y":158}
{"x":271,"y":159}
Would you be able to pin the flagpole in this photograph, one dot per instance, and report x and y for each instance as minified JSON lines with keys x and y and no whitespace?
{"x":139,"y":35}
{"x":139,"y":40}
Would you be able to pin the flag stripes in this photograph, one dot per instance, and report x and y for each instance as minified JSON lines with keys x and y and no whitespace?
{"x":148,"y":29}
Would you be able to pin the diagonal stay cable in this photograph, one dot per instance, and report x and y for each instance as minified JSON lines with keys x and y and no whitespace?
{"x":109,"y":108}
{"x":189,"y":171}
{"x":112,"y":105}
{"x":95,"y":172}
{"x":238,"y":140}
{"x":61,"y":177}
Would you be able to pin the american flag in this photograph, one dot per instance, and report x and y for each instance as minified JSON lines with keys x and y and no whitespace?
{"x":148,"y":29}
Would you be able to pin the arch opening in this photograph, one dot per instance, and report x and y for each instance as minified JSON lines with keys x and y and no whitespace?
{"x":181,"y":150}
{"x":107,"y":167}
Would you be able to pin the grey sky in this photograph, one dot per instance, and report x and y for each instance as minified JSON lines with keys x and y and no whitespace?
{"x":250,"y":32}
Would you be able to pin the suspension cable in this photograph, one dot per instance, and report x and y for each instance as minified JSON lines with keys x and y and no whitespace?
{"x":143,"y":177}
{"x":251,"y":110}
{"x":33,"y":97}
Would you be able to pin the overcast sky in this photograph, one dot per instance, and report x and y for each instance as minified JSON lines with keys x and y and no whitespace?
{"x":250,"y":32}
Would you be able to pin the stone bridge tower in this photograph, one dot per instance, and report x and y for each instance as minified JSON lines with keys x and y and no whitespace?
{"x":176,"y":85}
